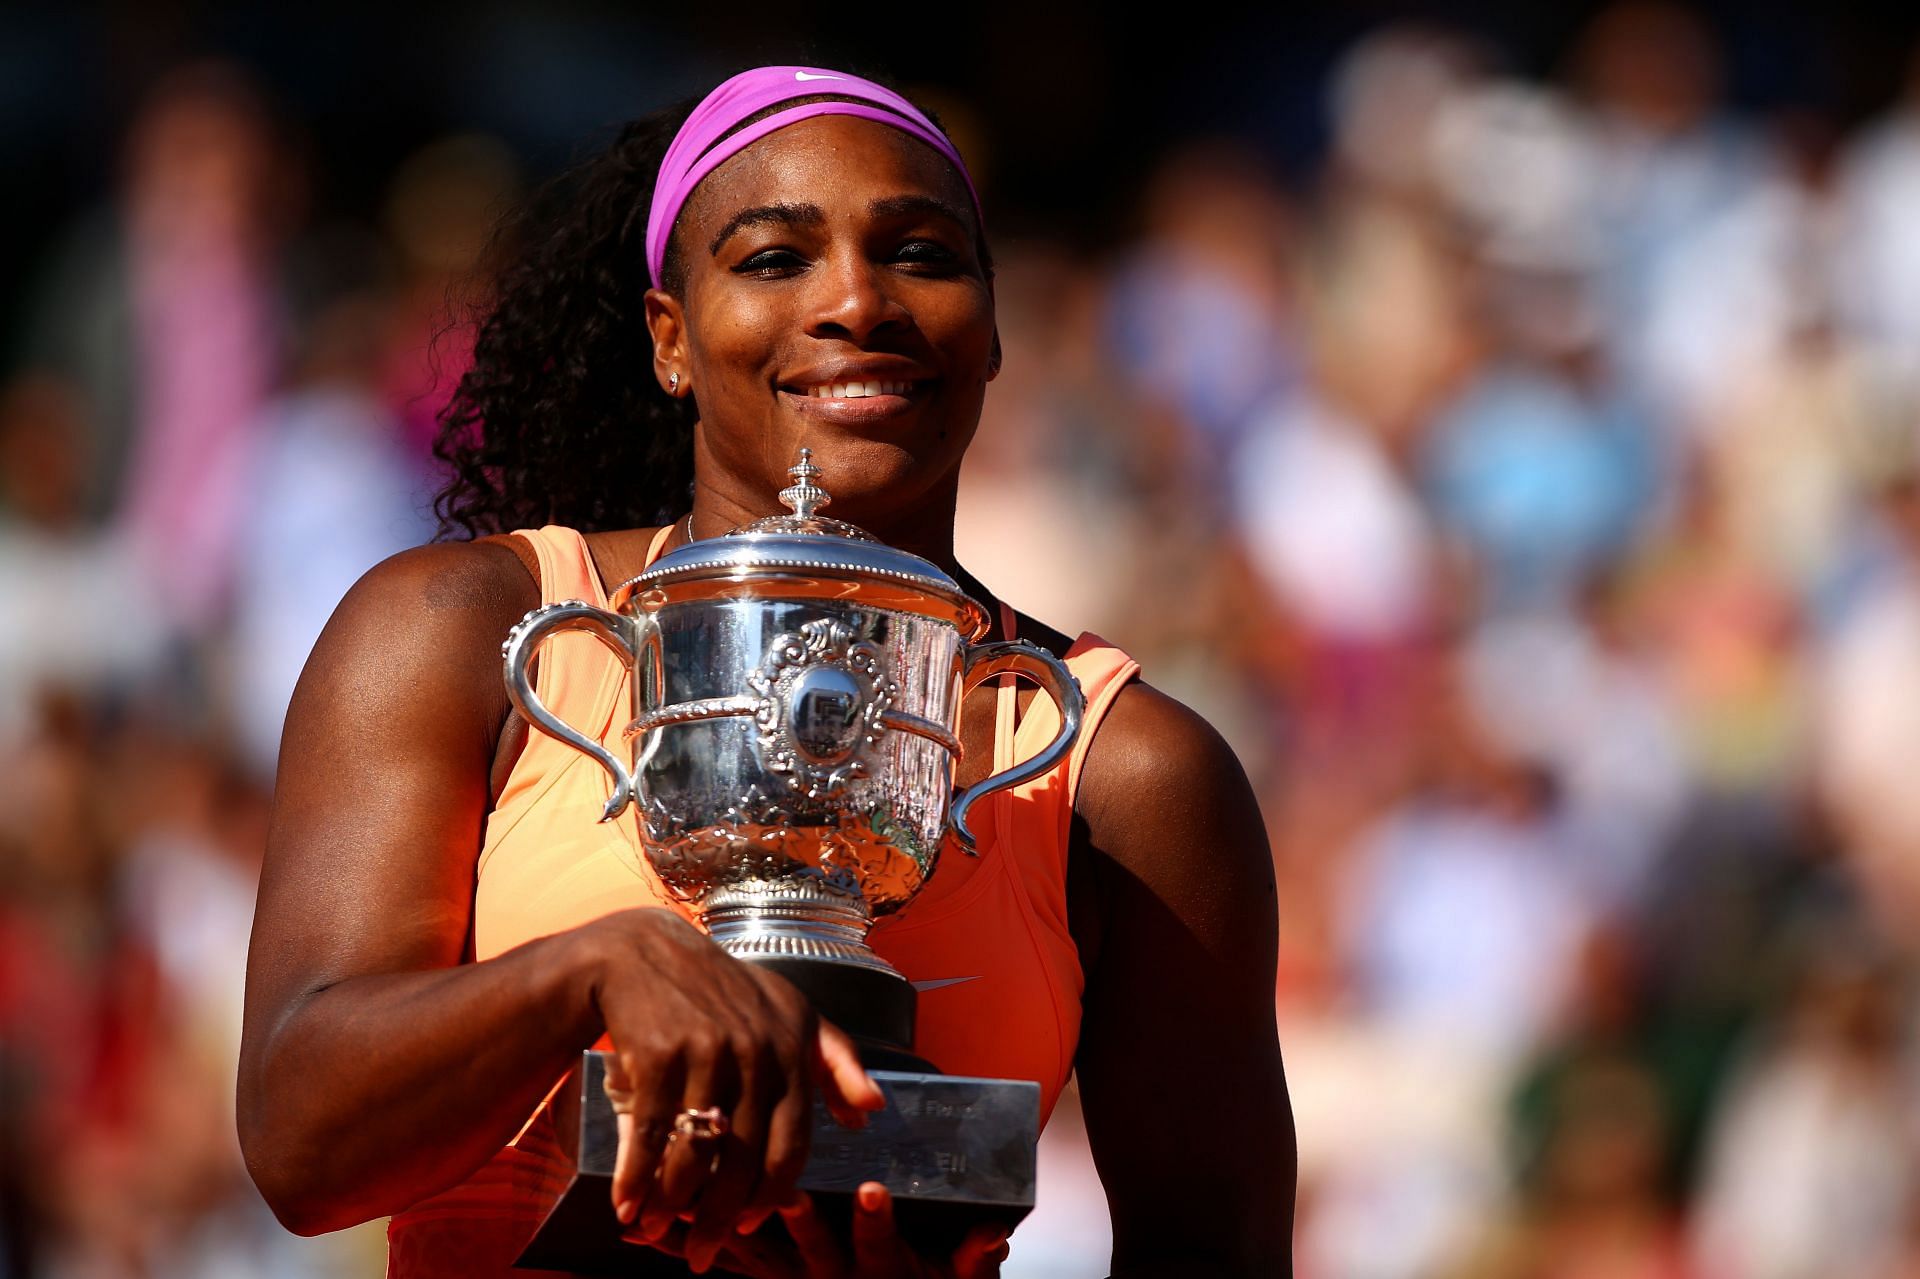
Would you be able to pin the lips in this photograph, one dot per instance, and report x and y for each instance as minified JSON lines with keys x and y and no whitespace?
{"x":857,"y":405}
{"x":857,"y":392}
{"x":859,"y":389}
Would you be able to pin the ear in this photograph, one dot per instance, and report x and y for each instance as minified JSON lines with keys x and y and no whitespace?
{"x":667,"y":324}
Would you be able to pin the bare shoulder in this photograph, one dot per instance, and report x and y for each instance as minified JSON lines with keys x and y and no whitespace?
{"x":427,"y":621}
{"x":1155,"y":767}
{"x":1154,"y":755}
{"x":1167,"y":829}
{"x":445,"y":584}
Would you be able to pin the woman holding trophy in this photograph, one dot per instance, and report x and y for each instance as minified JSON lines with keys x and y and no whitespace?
{"x":444,"y":923}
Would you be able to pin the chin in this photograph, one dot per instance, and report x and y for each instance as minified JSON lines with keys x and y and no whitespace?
{"x":876,"y":482}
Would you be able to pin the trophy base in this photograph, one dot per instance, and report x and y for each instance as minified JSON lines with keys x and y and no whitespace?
{"x":874,"y":1007}
{"x":956,"y":1152}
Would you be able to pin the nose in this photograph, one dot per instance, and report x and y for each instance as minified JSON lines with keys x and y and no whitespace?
{"x":851,"y":299}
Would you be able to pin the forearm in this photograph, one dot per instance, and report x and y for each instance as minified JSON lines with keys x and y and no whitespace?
{"x":376,"y":1091}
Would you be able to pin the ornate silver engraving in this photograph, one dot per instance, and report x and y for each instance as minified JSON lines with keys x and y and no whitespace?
{"x":822,"y":698}
{"x":692,"y":712}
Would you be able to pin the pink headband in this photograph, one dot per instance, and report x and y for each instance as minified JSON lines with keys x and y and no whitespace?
{"x":702,"y":145}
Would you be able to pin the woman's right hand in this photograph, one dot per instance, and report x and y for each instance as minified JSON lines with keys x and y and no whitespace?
{"x":693,"y":1028}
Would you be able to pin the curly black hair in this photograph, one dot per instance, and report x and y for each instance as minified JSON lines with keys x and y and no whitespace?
{"x":560,"y":419}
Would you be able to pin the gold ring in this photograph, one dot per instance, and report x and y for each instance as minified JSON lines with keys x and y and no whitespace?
{"x":700,"y":1124}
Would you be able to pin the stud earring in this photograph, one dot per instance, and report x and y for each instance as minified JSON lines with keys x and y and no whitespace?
{"x":673,"y":384}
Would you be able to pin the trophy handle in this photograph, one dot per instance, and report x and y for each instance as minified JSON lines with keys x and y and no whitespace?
{"x":571,"y":615}
{"x":1017,"y":657}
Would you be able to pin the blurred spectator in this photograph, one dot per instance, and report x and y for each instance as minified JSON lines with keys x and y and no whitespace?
{"x":1337,"y":534}
{"x":1673,"y":171}
{"x":1728,"y":637}
{"x":1388,"y":95}
{"x":1595,"y":1204}
{"x":1543,"y":480}
{"x":1517,"y":166}
{"x":1582,"y":692}
{"x":167,"y":314}
{"x":1869,"y":717}
{"x":1811,"y":1168}
{"x":1484,"y":842}
{"x":331,"y":493}
{"x":440,"y":211}
{"x":1201,"y":305}
{"x":1878,"y":244}
{"x":1464,"y":926}
{"x":77,"y":612}
{"x":1542,"y":464}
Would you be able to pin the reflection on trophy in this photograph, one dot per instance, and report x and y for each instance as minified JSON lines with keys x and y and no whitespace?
{"x":796,"y":700}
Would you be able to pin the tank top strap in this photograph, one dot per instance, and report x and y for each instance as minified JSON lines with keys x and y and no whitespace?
{"x":1006,"y":711}
{"x":659,"y":544}
{"x":575,"y":677}
{"x":1039,"y":829}
{"x":1103,"y":671}
{"x":566,"y":565}
{"x":567,"y":571}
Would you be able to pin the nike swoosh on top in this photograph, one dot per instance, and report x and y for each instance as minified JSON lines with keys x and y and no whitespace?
{"x":937,"y":982}
{"x":807,"y":75}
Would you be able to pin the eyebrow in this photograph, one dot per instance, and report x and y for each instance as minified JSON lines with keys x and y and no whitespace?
{"x":811,"y":215}
{"x":902,"y":206}
{"x":761,"y":215}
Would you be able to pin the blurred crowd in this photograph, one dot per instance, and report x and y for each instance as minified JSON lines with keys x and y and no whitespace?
{"x":1532,"y":500}
{"x":1530,"y":493}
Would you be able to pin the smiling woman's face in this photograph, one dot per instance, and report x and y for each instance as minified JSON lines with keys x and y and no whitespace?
{"x":835,"y":251}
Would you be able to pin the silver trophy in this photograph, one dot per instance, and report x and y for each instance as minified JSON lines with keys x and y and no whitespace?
{"x":796,"y":705}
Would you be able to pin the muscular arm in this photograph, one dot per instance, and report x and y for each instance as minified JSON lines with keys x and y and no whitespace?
{"x":1179,"y":1060}
{"x":376,"y":1067}
{"x":358,"y":1013}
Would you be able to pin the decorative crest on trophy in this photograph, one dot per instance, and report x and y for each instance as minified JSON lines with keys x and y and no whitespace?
{"x":805,"y":497}
{"x":822,"y":707}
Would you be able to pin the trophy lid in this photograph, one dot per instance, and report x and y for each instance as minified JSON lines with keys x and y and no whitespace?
{"x":805,"y":553}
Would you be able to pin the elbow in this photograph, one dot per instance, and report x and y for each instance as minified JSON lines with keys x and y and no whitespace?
{"x":288,"y":1184}
{"x":304,"y":1215}
{"x":300,"y":1201}
{"x":286,"y":1158}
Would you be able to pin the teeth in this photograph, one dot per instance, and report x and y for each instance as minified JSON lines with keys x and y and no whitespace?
{"x":858,"y":390}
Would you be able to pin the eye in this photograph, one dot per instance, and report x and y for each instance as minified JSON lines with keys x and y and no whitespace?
{"x":771,"y":262}
{"x":926,"y":254}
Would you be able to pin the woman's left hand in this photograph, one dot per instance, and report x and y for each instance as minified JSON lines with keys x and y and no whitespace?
{"x":809,"y":1249}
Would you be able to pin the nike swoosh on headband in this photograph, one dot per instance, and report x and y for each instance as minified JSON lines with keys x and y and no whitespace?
{"x":937,"y":982}
{"x":804,"y":75}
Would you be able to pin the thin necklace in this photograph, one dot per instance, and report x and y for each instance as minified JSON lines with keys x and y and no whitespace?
{"x":689,"y":527}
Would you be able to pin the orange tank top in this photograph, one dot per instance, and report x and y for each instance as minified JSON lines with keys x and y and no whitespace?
{"x":986,"y":940}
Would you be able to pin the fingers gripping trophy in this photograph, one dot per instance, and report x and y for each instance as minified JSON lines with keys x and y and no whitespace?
{"x":796,"y":698}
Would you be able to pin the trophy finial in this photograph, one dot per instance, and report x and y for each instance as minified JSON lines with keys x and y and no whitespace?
{"x":805,"y":497}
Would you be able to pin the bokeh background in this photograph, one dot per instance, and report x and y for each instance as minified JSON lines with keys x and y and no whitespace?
{"x":1503,"y":421}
